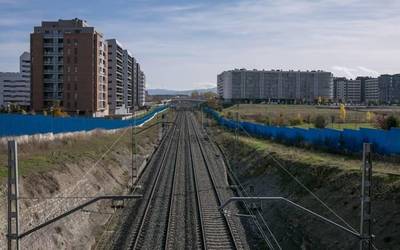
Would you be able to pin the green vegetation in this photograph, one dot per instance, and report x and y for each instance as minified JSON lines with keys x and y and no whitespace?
{"x":319,"y":121}
{"x":305,"y":115}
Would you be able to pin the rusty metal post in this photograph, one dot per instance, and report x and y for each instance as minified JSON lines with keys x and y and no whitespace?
{"x":365,"y":218}
{"x":13,"y":211}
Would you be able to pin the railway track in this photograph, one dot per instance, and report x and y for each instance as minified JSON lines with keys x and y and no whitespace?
{"x":218,"y":231}
{"x":179,"y":209}
{"x":151,"y":228}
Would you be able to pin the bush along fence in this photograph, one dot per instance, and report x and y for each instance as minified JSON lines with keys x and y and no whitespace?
{"x":386,"y":142}
{"x":15,"y":124}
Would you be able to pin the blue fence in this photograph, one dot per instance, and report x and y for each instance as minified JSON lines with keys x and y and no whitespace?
{"x":347,"y":140}
{"x":14,"y":125}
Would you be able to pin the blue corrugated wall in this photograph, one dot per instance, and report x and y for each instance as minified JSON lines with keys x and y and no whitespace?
{"x":14,"y":124}
{"x":347,"y":140}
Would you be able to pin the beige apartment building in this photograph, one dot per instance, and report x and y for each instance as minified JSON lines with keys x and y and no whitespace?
{"x":69,"y":68}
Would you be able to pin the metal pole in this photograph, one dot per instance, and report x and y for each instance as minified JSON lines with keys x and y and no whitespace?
{"x":365,"y":218}
{"x":202,"y":123}
{"x":133,"y":156}
{"x":13,"y":211}
{"x":236,"y":135}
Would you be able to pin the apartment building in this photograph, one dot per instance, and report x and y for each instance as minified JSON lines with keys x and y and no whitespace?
{"x":69,"y":68}
{"x":389,"y":88}
{"x":141,"y":89}
{"x":339,"y":89}
{"x":304,"y":86}
{"x":125,"y":79}
{"x":347,"y":91}
{"x":371,"y":91}
{"x":15,"y":87}
{"x":353,"y":91}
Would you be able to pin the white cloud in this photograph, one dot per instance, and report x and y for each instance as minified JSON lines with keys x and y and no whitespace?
{"x":185,"y":45}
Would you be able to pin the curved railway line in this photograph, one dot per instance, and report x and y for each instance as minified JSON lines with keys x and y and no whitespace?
{"x":179,"y":209}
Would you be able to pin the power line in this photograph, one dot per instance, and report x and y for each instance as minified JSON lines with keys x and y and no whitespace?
{"x":302,"y":185}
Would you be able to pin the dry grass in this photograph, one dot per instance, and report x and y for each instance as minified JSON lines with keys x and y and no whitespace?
{"x":355,"y":117}
{"x":314,"y":158}
{"x":42,"y":156}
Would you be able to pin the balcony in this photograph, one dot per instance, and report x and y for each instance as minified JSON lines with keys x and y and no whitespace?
{"x":48,"y":62}
{"x":49,"y":80}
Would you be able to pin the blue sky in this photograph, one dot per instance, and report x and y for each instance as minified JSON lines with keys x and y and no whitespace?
{"x":185,"y":44}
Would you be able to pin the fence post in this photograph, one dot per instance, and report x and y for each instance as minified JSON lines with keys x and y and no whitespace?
{"x":13,"y":211}
{"x":365,"y":218}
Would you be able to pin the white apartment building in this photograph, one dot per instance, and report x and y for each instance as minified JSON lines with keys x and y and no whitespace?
{"x":290,"y":85}
{"x":141,"y":89}
{"x":15,"y":87}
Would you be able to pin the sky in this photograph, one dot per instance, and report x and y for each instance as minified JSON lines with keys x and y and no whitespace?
{"x":184,"y":44}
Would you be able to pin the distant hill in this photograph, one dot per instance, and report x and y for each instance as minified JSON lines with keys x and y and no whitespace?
{"x":178,"y":92}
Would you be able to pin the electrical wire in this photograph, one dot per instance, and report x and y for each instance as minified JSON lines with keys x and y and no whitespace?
{"x":303,"y":186}
{"x":236,"y":179}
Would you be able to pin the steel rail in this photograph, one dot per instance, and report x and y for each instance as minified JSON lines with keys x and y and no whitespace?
{"x":212,"y":179}
{"x":135,"y":241}
{"x":195,"y":181}
{"x":172,"y":201}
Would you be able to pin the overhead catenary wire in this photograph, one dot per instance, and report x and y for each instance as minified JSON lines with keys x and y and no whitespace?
{"x":71,"y":189}
{"x":236,"y":179}
{"x":302,"y":185}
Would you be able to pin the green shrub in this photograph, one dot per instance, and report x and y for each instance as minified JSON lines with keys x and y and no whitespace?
{"x":295,"y":121}
{"x":386,"y":123}
{"x":319,"y":121}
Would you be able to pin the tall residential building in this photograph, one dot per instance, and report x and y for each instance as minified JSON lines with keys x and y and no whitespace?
{"x":371,"y":91}
{"x":353,"y":91}
{"x":346,"y":91}
{"x":389,"y":88}
{"x":69,"y":67}
{"x":141,"y":89}
{"x":339,"y":89}
{"x":15,"y":88}
{"x":306,"y":86}
{"x":125,"y":80}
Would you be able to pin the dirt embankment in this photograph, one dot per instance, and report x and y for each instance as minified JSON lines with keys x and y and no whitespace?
{"x":79,"y":166}
{"x":334,"y":179}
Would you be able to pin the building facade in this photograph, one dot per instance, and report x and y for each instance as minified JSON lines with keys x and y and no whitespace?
{"x":371,"y":91}
{"x":141,"y":89}
{"x":304,"y":86}
{"x":69,"y":68}
{"x":125,"y":78}
{"x":15,"y":88}
{"x":353,"y":91}
{"x":389,"y":88}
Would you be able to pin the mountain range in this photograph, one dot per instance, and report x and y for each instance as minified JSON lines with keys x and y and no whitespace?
{"x":179,"y":92}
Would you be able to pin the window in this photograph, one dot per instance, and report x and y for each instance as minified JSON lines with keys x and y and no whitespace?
{"x":75,"y":59}
{"x":76,"y":69}
{"x":68,"y":41}
{"x":75,"y":51}
{"x":68,"y":59}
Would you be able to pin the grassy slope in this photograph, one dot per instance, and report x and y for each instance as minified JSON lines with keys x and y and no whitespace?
{"x":44,"y":156}
{"x":314,"y":158}
{"x":336,"y":179}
